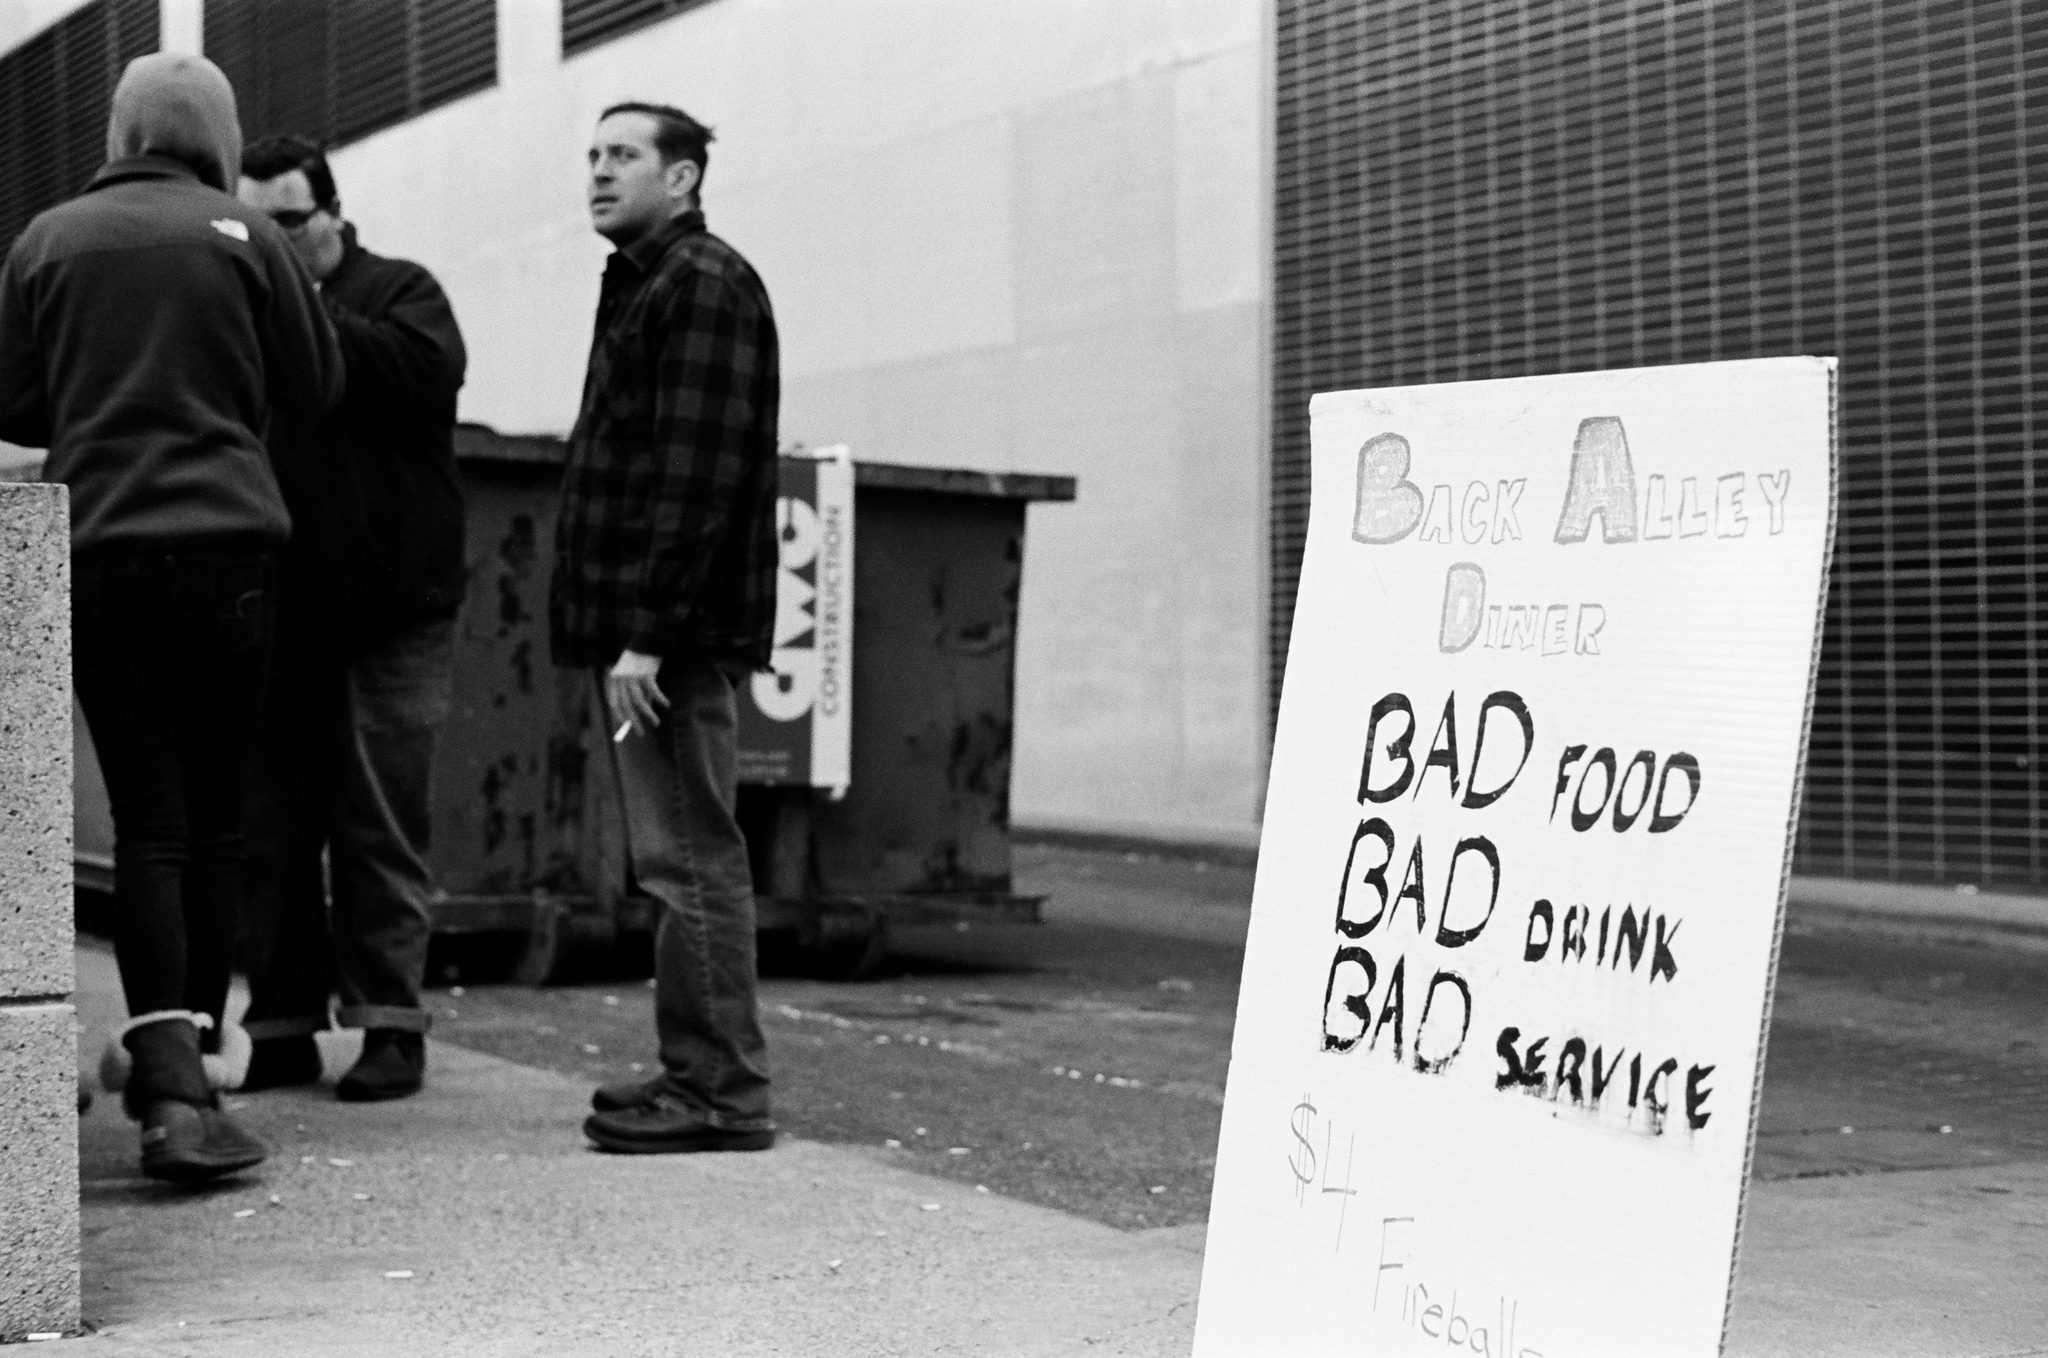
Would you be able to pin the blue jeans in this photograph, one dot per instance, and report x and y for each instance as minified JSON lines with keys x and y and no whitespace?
{"x":678,"y":785}
{"x":348,"y":746}
{"x":169,"y":652}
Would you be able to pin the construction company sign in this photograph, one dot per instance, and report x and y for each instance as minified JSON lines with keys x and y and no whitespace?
{"x":1515,"y":923}
{"x":796,"y":719}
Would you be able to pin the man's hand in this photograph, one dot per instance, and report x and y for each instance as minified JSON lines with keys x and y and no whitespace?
{"x":634,"y":692}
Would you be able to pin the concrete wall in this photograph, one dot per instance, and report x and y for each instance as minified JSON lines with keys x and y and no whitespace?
{"x":38,"y":1039}
{"x":1014,"y":234}
{"x":38,"y":1047}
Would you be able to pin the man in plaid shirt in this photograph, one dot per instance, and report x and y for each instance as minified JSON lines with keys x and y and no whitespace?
{"x":664,"y":585}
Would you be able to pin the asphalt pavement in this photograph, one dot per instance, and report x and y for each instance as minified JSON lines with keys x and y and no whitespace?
{"x":1078,"y":1065}
{"x":1003,"y":1145}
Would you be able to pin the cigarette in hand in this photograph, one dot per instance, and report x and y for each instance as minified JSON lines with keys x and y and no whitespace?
{"x":625,"y":729}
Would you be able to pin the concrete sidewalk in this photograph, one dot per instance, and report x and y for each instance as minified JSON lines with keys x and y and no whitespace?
{"x":515,"y":1239}
{"x":471,"y":1220}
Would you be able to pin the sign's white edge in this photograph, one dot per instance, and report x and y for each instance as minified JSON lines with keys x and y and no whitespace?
{"x":1756,"y":1094}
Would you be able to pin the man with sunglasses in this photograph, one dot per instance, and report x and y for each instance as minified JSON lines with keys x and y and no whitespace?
{"x":365,"y":657}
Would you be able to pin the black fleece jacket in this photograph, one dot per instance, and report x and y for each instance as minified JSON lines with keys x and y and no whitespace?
{"x":147,"y":329}
{"x":376,"y":509}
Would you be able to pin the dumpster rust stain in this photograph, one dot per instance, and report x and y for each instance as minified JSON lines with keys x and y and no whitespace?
{"x":503,"y":821}
{"x":976,"y":741}
{"x":521,"y":661}
{"x":980,"y":634}
{"x":497,"y":781}
{"x":977,"y":638}
{"x":562,"y":799}
{"x":978,"y":780}
{"x":518,"y":552}
{"x":980,"y":760}
{"x":516,"y":555}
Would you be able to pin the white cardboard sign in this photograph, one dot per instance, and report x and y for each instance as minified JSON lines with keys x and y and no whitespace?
{"x":1515,"y":924}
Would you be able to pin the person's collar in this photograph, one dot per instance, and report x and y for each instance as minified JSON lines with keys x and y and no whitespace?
{"x":350,"y":253}
{"x":142,"y":167}
{"x":647,"y":250}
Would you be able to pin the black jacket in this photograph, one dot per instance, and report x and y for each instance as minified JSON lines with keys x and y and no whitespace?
{"x":376,"y":509}
{"x":147,"y":328}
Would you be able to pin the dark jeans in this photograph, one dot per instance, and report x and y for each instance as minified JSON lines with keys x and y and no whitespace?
{"x":678,"y":786}
{"x":169,"y":652}
{"x":344,"y":764}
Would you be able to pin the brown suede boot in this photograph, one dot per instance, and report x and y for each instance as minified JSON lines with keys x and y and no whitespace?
{"x":186,"y":1138}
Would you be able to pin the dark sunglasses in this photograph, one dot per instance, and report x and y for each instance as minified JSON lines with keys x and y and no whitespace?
{"x":291,"y":219}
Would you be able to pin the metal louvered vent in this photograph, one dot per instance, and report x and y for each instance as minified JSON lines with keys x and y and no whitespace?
{"x":54,"y":92}
{"x":1472,"y":189}
{"x":586,"y":23}
{"x":338,"y":70}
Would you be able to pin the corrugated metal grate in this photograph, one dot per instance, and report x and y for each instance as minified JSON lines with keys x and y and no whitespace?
{"x":338,"y":70}
{"x":586,"y":23}
{"x":54,"y":91}
{"x":1486,"y":189}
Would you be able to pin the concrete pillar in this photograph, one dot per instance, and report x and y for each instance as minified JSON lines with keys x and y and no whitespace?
{"x":38,"y":1042}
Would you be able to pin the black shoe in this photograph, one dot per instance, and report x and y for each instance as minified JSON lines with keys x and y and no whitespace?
{"x":663,"y":1128}
{"x":184,"y":1143}
{"x":275,"y":1062}
{"x":626,"y":1094}
{"x":393,"y":1065}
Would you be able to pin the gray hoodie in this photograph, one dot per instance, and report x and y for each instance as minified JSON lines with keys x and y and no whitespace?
{"x":181,"y":107}
{"x":148,"y":326}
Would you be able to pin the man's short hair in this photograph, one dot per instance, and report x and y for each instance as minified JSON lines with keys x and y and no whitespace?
{"x":282,"y":153}
{"x":677,"y":136}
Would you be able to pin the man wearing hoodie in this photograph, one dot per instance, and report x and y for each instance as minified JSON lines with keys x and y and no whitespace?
{"x":147,"y":330}
{"x":365,"y":656}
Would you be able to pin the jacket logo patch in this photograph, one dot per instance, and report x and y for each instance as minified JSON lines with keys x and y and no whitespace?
{"x":231,"y":228}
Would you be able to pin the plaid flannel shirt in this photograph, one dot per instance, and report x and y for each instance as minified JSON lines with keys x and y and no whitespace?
{"x":666,"y":536}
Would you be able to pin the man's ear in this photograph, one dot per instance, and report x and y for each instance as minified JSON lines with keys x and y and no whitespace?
{"x":682,"y":178}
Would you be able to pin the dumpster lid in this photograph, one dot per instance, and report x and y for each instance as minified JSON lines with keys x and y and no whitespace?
{"x":959,"y":481}
{"x":481,"y":443}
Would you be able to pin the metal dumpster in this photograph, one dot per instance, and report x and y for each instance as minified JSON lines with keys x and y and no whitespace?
{"x":526,"y":835}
